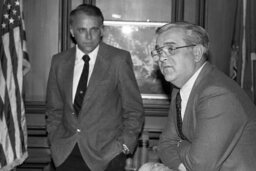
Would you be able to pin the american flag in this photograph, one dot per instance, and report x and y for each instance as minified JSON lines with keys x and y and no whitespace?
{"x":14,"y":64}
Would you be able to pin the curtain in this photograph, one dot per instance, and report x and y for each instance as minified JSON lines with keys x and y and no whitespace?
{"x":243,"y":54}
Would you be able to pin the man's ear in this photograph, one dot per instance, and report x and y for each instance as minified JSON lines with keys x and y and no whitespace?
{"x":198,"y":52}
{"x":102,"y":30}
{"x":72,"y":32}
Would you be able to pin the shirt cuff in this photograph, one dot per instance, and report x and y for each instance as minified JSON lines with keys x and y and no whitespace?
{"x":125,"y":149}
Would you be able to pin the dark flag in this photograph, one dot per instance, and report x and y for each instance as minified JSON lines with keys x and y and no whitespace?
{"x":14,"y":64}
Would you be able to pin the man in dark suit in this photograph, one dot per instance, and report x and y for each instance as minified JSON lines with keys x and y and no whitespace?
{"x":98,"y":131}
{"x":212,"y":122}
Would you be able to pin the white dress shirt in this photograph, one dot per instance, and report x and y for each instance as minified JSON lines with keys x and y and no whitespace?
{"x":79,"y":64}
{"x":186,"y":90}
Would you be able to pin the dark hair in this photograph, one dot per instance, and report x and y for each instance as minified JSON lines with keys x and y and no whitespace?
{"x":87,"y":9}
{"x":193,"y":34}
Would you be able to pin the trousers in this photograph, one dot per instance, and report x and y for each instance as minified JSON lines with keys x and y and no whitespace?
{"x":75,"y":162}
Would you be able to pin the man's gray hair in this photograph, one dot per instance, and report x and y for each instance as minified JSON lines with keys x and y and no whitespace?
{"x":192,"y":34}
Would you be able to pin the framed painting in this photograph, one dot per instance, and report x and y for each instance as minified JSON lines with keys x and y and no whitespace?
{"x":138,"y":38}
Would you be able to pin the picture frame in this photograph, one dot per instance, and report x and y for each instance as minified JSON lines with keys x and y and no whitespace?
{"x":139,"y":39}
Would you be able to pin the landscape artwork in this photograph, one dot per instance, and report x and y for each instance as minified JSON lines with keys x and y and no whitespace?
{"x":139,"y":39}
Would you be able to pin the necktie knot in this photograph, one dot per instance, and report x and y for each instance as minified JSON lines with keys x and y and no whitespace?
{"x":178,"y":99}
{"x":86,"y":58}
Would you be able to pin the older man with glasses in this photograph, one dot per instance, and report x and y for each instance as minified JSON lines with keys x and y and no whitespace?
{"x":212,"y":122}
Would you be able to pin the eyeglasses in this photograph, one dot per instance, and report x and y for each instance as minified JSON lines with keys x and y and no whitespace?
{"x":168,"y":50}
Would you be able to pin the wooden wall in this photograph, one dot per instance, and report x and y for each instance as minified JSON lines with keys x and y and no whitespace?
{"x":42,"y":29}
{"x":217,"y":17}
{"x":220,"y":18}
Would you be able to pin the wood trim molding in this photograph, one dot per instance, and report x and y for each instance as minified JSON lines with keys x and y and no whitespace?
{"x":155,"y":110}
{"x":201,"y":12}
{"x":178,"y":10}
{"x":35,"y":107}
{"x":64,"y":33}
{"x":93,"y":2}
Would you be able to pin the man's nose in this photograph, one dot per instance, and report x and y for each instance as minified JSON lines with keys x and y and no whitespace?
{"x":88,"y":36}
{"x":162,"y":57}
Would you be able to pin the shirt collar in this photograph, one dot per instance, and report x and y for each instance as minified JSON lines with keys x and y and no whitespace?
{"x":93,"y":54}
{"x":187,"y":87}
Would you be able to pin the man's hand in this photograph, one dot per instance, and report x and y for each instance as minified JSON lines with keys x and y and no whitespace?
{"x":154,"y":166}
{"x":182,"y":167}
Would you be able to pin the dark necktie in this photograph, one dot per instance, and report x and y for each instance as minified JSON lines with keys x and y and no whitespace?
{"x":179,"y":119}
{"x":82,"y":85}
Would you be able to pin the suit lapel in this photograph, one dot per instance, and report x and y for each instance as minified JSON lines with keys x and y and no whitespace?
{"x":101,"y":65}
{"x":188,"y":122}
{"x":68,"y":70}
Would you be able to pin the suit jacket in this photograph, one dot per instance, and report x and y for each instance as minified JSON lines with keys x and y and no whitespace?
{"x":220,"y":124}
{"x":111,"y":113}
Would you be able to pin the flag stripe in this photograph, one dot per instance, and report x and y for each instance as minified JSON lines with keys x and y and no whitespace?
{"x":18,"y":80}
{"x":253,"y":63}
{"x":2,"y":159}
{"x":243,"y":45}
{"x":26,"y":63}
{"x":10,"y":99}
{"x":2,"y":88}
